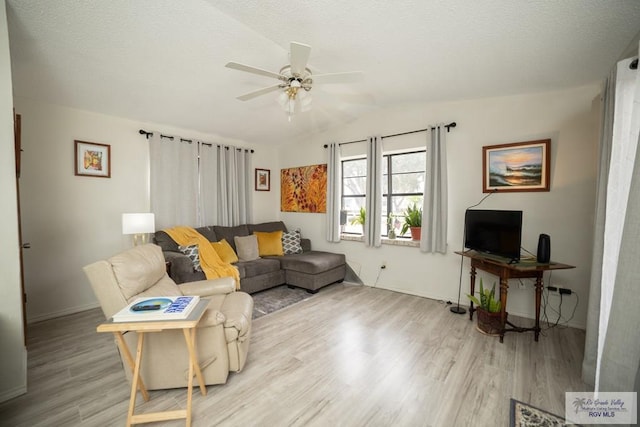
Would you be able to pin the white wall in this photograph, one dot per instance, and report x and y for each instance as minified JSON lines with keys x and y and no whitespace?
{"x":13,"y":357}
{"x":565,"y":213}
{"x":71,"y":220}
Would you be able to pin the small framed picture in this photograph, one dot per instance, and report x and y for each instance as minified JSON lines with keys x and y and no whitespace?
{"x":263,"y":180}
{"x":520,"y":166}
{"x":93,"y":159}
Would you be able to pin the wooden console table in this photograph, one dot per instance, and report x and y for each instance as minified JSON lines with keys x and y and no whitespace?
{"x":188,"y":326}
{"x":506,"y":271}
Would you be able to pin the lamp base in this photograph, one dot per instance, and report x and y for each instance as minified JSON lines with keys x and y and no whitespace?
{"x":458,"y":310}
{"x":139,"y":239}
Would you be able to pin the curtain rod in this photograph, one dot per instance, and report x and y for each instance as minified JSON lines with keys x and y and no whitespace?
{"x":150,"y":134}
{"x":450,"y":125}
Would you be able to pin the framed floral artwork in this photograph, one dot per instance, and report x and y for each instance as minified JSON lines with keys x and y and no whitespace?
{"x":304,"y":189}
{"x":93,"y":159}
{"x":263,"y":180}
{"x":520,"y":166}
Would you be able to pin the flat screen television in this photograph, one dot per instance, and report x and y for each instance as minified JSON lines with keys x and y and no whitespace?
{"x":496,"y":232}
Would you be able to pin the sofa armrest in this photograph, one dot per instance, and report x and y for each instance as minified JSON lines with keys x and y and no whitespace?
{"x":211,"y":317}
{"x":306,"y":244}
{"x":181,"y":269}
{"x":179,"y":262}
{"x":205,"y":288}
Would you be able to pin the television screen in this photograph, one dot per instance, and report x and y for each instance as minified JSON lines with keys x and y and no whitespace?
{"x":494,"y":232}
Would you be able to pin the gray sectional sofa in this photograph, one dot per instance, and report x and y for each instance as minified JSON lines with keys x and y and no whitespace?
{"x":310,"y":270}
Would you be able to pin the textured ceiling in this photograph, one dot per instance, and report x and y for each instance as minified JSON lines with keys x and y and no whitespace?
{"x":163,"y":61}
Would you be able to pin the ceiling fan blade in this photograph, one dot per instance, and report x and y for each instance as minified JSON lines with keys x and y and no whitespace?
{"x":253,"y":70}
{"x":299,"y":57}
{"x":348,"y":77}
{"x":256,"y":93}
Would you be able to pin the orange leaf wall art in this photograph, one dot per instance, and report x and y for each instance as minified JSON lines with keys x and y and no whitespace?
{"x":304,"y":189}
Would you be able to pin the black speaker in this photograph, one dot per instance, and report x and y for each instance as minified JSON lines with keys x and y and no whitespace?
{"x":544,"y":248}
{"x":343,"y":217}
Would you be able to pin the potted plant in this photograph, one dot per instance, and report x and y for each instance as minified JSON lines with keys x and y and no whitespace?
{"x":391,"y":229}
{"x":413,"y":222}
{"x":489,"y":310}
{"x":360,"y":218}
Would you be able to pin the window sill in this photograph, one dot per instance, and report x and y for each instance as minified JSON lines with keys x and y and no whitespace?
{"x":385,"y":241}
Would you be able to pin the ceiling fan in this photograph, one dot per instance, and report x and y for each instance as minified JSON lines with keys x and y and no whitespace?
{"x":295,"y":79}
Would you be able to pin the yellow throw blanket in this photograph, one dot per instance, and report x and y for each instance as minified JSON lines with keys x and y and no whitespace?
{"x":210,"y":262}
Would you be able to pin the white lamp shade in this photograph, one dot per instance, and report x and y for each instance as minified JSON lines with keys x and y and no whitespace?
{"x":138,"y":223}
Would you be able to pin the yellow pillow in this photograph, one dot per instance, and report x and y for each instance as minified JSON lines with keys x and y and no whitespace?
{"x":269,"y":243}
{"x":225,"y":251}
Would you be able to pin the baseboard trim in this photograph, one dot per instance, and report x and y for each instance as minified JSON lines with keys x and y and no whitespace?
{"x":21,"y":389}
{"x":60,"y":313}
{"x":13,"y":393}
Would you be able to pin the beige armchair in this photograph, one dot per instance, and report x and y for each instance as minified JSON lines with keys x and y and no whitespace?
{"x":222,"y":337}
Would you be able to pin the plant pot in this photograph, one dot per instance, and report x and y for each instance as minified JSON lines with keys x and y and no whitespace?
{"x":489,"y":323}
{"x":416,"y":233}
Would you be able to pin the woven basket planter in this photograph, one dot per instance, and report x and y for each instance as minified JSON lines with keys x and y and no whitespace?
{"x":489,"y":323}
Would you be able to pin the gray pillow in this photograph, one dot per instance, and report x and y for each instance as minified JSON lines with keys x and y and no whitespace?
{"x":247,"y":247}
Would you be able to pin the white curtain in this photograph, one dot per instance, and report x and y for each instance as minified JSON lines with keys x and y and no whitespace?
{"x":174,"y":181}
{"x":234,"y":189}
{"x":618,"y":352}
{"x":197,"y":184}
{"x":593,"y":312}
{"x":334,"y":178}
{"x":208,"y":185}
{"x":373,"y":203}
{"x":434,"y":208}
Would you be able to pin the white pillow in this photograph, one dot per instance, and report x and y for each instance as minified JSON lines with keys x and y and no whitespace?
{"x":247,"y":247}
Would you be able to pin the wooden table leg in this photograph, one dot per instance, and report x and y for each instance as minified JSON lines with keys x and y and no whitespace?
{"x":190,"y":381}
{"x":504,"y":287}
{"x":127,"y":356}
{"x":190,"y":337}
{"x":134,"y":379}
{"x":473,"y":289}
{"x":539,"y":287}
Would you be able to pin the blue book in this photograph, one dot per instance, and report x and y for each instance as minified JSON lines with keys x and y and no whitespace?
{"x":157,"y":308}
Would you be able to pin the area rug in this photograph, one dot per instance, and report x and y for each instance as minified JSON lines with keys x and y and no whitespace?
{"x":274,"y":299}
{"x":525,"y":415}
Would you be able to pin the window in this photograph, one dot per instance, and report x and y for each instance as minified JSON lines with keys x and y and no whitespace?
{"x":403,"y":176}
{"x":354,"y":184}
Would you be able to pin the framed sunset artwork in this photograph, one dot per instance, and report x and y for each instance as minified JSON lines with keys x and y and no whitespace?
{"x":520,"y":166}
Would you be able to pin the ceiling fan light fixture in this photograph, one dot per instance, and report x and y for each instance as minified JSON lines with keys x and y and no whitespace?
{"x":292,"y":78}
{"x":293,"y":100}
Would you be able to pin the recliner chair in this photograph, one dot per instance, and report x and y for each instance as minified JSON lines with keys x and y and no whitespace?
{"x":222,"y":336}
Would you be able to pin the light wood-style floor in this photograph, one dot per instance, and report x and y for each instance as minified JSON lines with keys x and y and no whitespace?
{"x":349,"y":356}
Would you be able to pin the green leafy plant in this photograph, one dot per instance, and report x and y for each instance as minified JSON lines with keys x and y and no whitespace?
{"x":487,"y":300}
{"x":412,"y":218}
{"x":359,"y":219}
